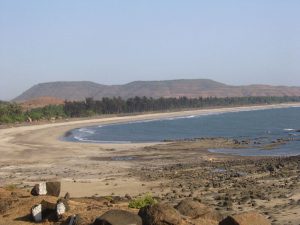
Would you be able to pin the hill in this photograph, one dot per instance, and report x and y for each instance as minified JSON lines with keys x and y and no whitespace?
{"x":41,"y":102}
{"x":79,"y":90}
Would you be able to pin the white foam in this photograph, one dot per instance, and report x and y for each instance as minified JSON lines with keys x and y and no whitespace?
{"x":288,"y":129}
{"x":86,"y":130}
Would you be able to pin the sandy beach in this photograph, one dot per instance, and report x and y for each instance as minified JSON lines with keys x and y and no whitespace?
{"x":33,"y":153}
{"x":170,"y":171}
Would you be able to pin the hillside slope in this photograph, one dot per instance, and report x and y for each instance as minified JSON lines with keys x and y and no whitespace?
{"x":79,"y":90}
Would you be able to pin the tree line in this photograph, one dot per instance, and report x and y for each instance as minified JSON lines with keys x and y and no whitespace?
{"x":12,"y":112}
{"x":143,"y":104}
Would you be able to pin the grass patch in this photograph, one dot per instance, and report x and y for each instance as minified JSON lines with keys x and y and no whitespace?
{"x":10,"y":187}
{"x":142,"y":202}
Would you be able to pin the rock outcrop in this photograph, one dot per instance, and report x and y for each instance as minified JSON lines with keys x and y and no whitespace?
{"x":118,"y":217}
{"x":160,"y":214}
{"x":247,"y":218}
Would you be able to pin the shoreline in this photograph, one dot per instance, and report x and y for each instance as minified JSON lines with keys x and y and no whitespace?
{"x":115,"y":119}
{"x":33,"y":153}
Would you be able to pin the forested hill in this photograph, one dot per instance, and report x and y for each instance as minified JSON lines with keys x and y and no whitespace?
{"x":170,"y":88}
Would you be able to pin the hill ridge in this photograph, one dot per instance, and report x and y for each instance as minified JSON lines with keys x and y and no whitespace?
{"x":79,"y":90}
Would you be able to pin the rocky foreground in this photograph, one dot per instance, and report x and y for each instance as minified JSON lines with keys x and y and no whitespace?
{"x":188,"y":185}
{"x":43,"y":206}
{"x":245,"y":191}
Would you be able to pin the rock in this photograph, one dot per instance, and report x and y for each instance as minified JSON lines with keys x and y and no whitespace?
{"x":201,"y":221}
{"x":49,"y":210}
{"x":160,"y":214}
{"x":191,"y":208}
{"x":212,"y":215}
{"x":39,"y":189}
{"x":46,"y":188}
{"x":62,"y":206}
{"x":36,"y":213}
{"x":118,"y":217}
{"x":247,"y":218}
{"x":75,"y":220}
{"x":53,"y":188}
{"x":67,"y":196}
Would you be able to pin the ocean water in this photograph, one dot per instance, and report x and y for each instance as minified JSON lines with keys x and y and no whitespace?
{"x":263,"y":125}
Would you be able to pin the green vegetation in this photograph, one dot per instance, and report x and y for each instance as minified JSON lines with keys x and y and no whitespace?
{"x":10,"y":113}
{"x":144,"y":104}
{"x":13,"y":113}
{"x":142,"y":202}
{"x":10,"y":187}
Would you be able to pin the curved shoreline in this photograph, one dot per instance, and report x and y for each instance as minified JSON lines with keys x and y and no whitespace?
{"x":8,"y":134}
{"x":31,"y":153}
{"x":168,"y":116}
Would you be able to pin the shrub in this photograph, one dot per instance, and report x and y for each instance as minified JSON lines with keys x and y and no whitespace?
{"x":142,"y":202}
{"x":10,"y":187}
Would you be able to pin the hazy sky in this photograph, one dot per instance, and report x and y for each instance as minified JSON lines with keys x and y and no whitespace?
{"x":114,"y":42}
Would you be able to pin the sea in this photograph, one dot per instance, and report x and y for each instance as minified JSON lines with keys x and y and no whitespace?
{"x":264,"y":126}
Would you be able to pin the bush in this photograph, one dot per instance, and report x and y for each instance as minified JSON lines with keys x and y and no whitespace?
{"x":10,"y":187}
{"x":142,"y":202}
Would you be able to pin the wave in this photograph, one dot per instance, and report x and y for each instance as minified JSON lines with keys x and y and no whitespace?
{"x":82,"y":139}
{"x":86,"y":130}
{"x":289,"y":129}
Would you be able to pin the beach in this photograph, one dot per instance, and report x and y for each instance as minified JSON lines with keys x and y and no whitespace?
{"x":168,"y":170}
{"x":36,"y":152}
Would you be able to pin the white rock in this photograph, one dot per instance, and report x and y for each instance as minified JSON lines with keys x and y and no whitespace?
{"x":60,"y":208}
{"x":36,"y":213}
{"x":42,"y":188}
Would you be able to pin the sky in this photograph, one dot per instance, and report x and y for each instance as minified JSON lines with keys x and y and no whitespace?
{"x":237,"y":42}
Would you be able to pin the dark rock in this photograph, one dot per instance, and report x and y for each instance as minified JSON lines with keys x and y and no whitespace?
{"x":48,"y":188}
{"x":67,"y":196}
{"x":160,"y":214}
{"x":118,"y":217}
{"x":36,"y":213}
{"x":49,"y":210}
{"x":53,"y":188}
{"x":75,"y":220}
{"x":39,"y":189}
{"x":188,"y":207}
{"x":248,"y":218}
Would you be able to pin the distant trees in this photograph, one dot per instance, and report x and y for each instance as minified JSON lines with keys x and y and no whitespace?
{"x":12,"y":112}
{"x":143,"y":104}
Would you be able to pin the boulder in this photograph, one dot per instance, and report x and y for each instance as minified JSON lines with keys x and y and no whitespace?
{"x":49,"y":210}
{"x":53,"y":188}
{"x":160,"y":214}
{"x":62,"y":206}
{"x":191,"y":208}
{"x":36,"y":213}
{"x":212,"y":215}
{"x":75,"y":220}
{"x":118,"y":217}
{"x":39,"y":189}
{"x":201,"y":221}
{"x":46,"y":188}
{"x":247,"y":218}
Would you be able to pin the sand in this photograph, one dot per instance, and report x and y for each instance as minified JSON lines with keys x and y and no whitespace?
{"x":170,"y":171}
{"x":30,"y":154}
